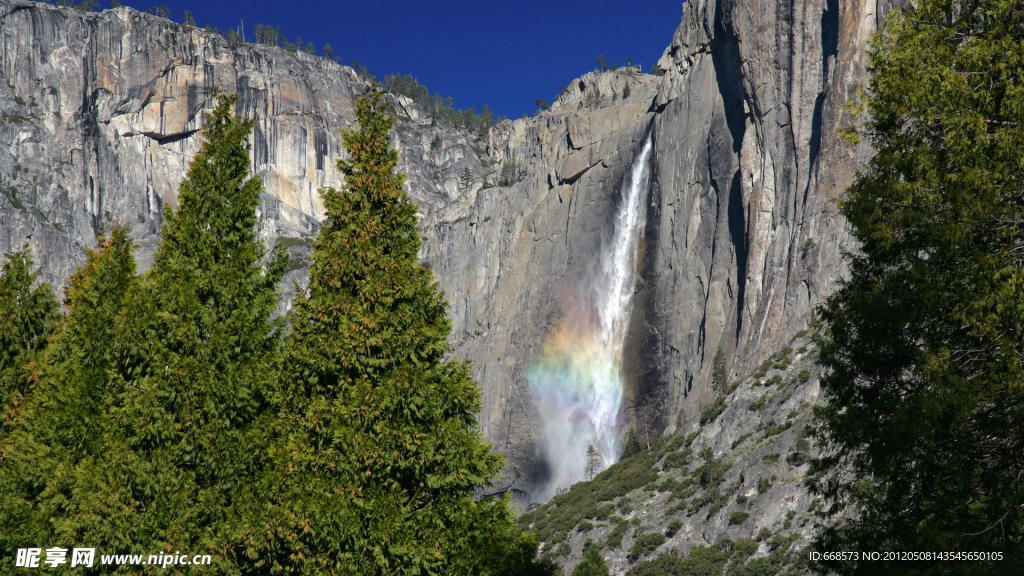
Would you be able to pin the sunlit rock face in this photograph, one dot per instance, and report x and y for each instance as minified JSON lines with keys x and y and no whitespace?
{"x":103,"y":112}
{"x":741,"y":237}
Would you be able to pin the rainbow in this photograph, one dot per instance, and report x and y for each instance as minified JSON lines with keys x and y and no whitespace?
{"x":577,"y":381}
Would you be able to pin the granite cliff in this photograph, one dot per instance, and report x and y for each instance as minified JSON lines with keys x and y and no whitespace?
{"x":101,"y":114}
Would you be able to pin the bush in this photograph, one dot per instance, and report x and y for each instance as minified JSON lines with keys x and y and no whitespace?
{"x":719,"y":377}
{"x":678,"y":459}
{"x":713,"y":411}
{"x":712,"y":472}
{"x":645,"y":544}
{"x":774,"y":428}
{"x":758,"y":405}
{"x":614,"y":539}
{"x":673,"y":527}
{"x":796,"y":458}
{"x":720,"y":501}
{"x":744,"y":548}
{"x":740,"y":440}
{"x":737,"y":518}
{"x":702,"y":561}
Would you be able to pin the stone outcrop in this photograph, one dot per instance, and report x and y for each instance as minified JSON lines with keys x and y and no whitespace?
{"x":102,"y":112}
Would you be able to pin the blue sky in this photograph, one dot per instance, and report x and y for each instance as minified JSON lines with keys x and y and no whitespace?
{"x":506,"y":54}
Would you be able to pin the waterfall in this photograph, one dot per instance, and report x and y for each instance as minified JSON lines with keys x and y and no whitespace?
{"x":577,"y":381}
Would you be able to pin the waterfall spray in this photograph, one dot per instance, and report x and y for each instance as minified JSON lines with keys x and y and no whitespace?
{"x":577,"y":382}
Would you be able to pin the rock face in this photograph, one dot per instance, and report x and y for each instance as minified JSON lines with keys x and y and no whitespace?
{"x":101,"y":114}
{"x":744,"y":237}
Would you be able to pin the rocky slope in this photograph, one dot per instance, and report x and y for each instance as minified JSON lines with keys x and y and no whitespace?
{"x":729,"y":489}
{"x":101,"y":114}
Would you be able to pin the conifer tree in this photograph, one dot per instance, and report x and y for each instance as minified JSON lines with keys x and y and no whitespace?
{"x":28,"y":317}
{"x":924,"y":420}
{"x":379,"y":455}
{"x":58,"y":426}
{"x":591,"y":565}
{"x":195,"y":367}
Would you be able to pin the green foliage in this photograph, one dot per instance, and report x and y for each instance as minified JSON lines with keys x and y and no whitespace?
{"x":713,"y":410}
{"x":644,"y":545}
{"x":678,"y":459}
{"x":591,"y":565}
{"x":739,"y":517}
{"x":28,"y":317}
{"x":541,"y":104}
{"x":614,"y":539}
{"x":377,"y":443}
{"x":711,"y":474}
{"x":701,"y":561}
{"x":719,"y":376}
{"x":632,"y":445}
{"x":602,"y":63}
{"x":57,"y":428}
{"x":922,"y":343}
{"x":149,"y":412}
{"x":193,"y":372}
{"x":672,"y":528}
{"x":758,"y":405}
{"x":439,"y":108}
{"x":774,"y":428}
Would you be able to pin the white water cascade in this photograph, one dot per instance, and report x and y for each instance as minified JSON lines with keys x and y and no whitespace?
{"x":577,"y":381}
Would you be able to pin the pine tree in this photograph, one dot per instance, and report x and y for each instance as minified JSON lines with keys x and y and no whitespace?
{"x":924,"y":421}
{"x":591,"y":565}
{"x":379,"y":454}
{"x":57,"y":429}
{"x":28,"y":317}
{"x":593,"y":462}
{"x":195,"y":366}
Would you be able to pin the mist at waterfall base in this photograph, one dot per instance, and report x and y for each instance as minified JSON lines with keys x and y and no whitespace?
{"x":577,"y":382}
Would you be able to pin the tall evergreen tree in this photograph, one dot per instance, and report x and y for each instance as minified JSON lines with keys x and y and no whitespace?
{"x":58,"y":426}
{"x":923,"y":344}
{"x":591,"y":565}
{"x":379,"y":455}
{"x":28,"y":317}
{"x":195,"y":367}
